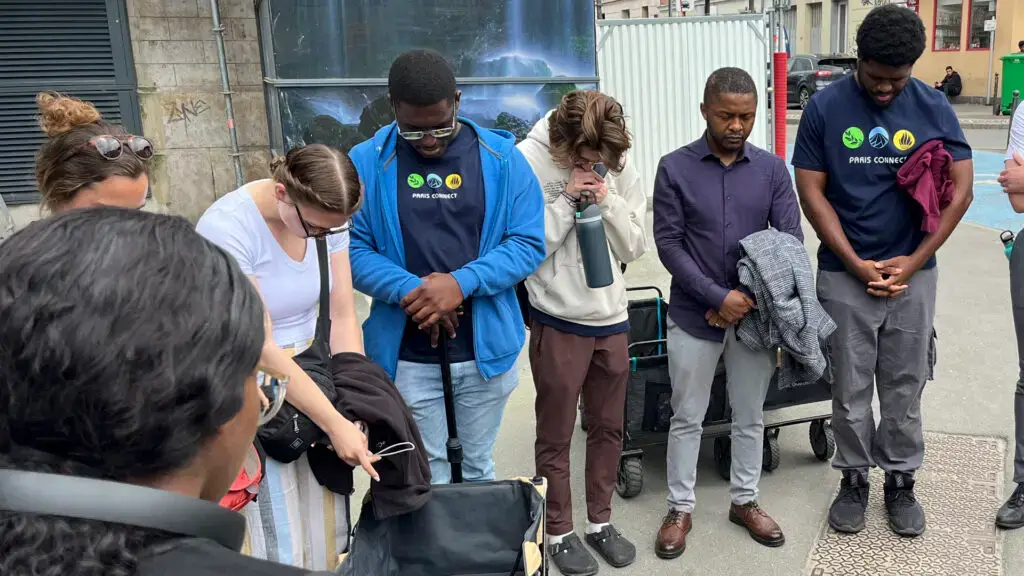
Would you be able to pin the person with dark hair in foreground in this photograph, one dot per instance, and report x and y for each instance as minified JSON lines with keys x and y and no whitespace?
{"x":453,"y":220}
{"x":877,"y":277}
{"x":708,"y":196}
{"x":579,"y":336}
{"x":109,"y":371}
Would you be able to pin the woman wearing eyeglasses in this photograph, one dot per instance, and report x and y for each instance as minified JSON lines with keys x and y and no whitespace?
{"x":269,"y":226}
{"x":86,"y":161}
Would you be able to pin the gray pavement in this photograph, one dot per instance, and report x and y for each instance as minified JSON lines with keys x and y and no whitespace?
{"x":971,"y":394}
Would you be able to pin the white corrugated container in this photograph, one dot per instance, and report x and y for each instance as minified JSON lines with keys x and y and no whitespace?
{"x":657,"y":69}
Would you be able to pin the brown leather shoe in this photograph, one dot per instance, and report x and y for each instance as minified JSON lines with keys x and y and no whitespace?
{"x":761,"y":527}
{"x":671,"y":542}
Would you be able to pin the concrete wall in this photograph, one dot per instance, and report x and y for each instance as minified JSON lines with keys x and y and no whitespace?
{"x":182,"y":106}
{"x":615,"y":9}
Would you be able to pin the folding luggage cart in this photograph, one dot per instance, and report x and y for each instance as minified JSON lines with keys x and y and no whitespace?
{"x":482,"y":528}
{"x":648,"y":410}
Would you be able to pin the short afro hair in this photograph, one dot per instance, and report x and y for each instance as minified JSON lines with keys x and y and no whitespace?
{"x":421,"y":78}
{"x":729,"y":81}
{"x":891,"y":35}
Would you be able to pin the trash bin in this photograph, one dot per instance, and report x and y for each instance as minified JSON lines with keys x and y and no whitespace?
{"x":1013,"y":79}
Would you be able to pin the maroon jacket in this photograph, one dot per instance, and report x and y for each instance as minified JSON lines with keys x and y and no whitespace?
{"x":926,"y":177}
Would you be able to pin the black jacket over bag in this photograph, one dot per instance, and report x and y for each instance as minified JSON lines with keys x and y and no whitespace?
{"x":364,"y":393}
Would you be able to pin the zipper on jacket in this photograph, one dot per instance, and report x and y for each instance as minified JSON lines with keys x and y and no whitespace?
{"x":295,"y":422}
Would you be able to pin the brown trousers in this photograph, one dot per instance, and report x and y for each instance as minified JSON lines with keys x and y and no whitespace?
{"x":563,"y":365}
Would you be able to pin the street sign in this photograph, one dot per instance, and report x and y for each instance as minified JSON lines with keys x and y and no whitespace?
{"x":683,"y":5}
{"x":990,"y":25}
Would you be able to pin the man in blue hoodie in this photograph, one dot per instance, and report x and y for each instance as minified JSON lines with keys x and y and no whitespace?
{"x":452,"y":220}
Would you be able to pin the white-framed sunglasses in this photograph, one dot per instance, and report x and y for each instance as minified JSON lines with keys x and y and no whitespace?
{"x":273,"y":389}
{"x":436,"y":133}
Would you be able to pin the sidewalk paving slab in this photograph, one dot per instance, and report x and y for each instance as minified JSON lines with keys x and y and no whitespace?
{"x":972,"y":116}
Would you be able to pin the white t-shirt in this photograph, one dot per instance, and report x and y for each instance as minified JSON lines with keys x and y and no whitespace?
{"x":291,"y":289}
{"x":1016,"y":134}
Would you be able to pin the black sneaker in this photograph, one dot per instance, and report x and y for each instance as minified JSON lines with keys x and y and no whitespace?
{"x":847,"y":511}
{"x":615,"y":549}
{"x":1011,"y":515}
{"x":572,"y":558}
{"x":906,"y":517}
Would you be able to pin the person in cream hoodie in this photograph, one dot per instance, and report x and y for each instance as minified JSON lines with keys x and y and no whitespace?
{"x":579,"y":341}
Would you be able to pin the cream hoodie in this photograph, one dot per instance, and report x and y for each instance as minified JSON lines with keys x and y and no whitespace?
{"x":559,"y":288}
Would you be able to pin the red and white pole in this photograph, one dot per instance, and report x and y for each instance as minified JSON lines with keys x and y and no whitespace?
{"x":780,"y":103}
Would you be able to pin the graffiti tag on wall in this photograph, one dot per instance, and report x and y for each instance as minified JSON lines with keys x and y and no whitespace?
{"x":186,"y":111}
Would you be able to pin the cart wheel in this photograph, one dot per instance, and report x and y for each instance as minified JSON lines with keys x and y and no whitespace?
{"x":723,"y":456}
{"x":631,"y":476}
{"x":583,"y":417}
{"x":823,"y":440}
{"x":772,"y":456}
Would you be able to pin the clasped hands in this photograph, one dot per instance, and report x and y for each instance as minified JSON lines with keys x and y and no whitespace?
{"x":435,"y":304}
{"x":735,"y":306}
{"x":887,"y":278}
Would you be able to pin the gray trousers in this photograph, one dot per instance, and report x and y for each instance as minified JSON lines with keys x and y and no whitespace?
{"x":692,"y":363}
{"x":1017,"y":298}
{"x":888,"y":343}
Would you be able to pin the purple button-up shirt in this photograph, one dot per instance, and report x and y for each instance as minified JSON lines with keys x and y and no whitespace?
{"x":702,"y":210}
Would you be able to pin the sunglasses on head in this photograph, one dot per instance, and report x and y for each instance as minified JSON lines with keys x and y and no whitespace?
{"x":272,"y":392}
{"x":112,"y":147}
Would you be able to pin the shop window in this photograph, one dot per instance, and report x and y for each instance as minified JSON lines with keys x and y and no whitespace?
{"x":981,"y":10}
{"x":326,"y":61}
{"x":948,"y":25}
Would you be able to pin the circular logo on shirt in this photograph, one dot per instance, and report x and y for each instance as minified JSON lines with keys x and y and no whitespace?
{"x":415,"y":180}
{"x":433,"y":180}
{"x":453,"y":181}
{"x":903,"y":140}
{"x":853,"y":138}
{"x":878,"y":137}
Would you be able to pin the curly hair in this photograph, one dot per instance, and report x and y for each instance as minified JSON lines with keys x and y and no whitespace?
{"x":421,"y":78}
{"x":588,"y":118}
{"x":64,"y":165}
{"x":125,"y":340}
{"x":891,"y":35}
{"x":319,"y":176}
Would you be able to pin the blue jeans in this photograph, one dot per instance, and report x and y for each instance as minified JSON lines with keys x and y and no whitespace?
{"x":479,"y":406}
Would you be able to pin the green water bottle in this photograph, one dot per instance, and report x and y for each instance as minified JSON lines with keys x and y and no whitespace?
{"x":1007,"y":239}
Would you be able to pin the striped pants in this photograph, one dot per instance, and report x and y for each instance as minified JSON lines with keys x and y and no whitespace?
{"x":294,"y":520}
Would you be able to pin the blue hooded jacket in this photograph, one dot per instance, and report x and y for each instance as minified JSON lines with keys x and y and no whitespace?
{"x":511,"y":248}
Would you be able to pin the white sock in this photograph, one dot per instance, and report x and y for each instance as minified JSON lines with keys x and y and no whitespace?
{"x":553,"y":540}
{"x":595,"y":528}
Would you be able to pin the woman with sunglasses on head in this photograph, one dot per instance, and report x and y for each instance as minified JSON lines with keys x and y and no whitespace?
{"x":124,"y":421}
{"x":269,"y":226}
{"x":87,"y":162}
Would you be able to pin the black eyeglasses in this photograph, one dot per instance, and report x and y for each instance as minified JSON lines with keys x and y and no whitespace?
{"x":317,"y":232}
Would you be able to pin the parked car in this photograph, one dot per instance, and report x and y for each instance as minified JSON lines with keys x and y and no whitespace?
{"x":809,"y":73}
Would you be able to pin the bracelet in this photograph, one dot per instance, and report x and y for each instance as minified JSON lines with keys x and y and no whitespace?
{"x":572,"y":201}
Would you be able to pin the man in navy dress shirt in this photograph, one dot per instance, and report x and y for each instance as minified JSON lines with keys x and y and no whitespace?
{"x":708,"y":196}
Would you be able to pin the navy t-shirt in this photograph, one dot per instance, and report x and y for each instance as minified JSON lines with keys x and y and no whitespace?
{"x":862,"y":147}
{"x":441,"y":209}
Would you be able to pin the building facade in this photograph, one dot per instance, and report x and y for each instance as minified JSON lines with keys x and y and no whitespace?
{"x":957,"y":38}
{"x":164,"y":83}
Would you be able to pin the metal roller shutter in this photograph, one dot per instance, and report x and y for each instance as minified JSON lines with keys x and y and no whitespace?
{"x":75,"y":47}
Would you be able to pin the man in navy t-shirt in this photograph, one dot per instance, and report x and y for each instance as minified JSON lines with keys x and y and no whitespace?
{"x":877,"y":275}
